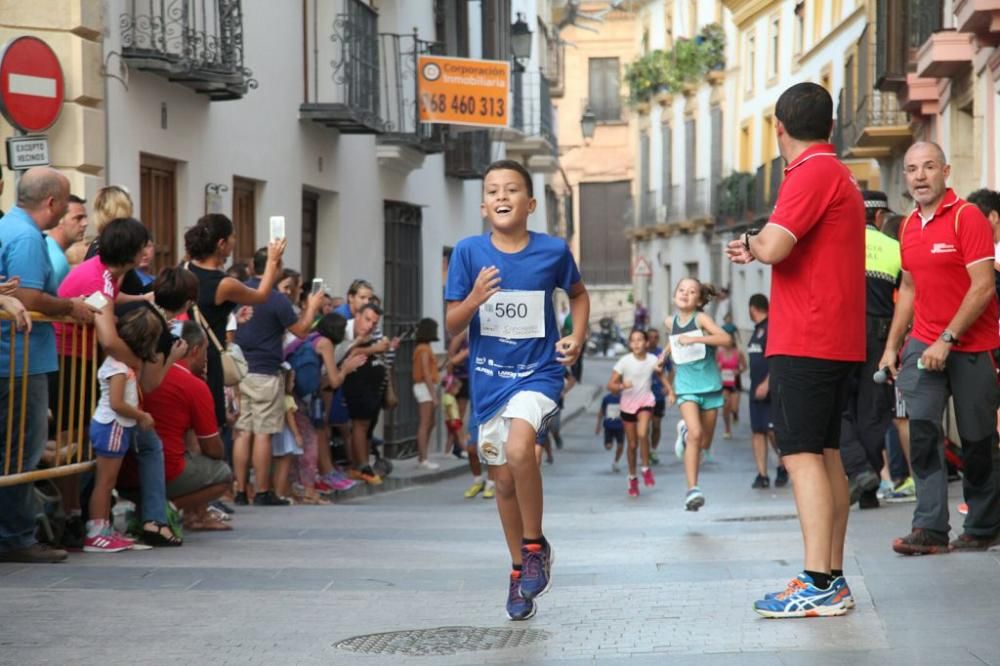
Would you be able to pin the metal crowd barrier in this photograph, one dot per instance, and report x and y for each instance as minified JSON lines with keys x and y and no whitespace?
{"x":70,"y":452}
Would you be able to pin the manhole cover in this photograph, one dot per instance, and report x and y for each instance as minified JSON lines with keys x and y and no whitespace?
{"x":756,"y":519}
{"x":441,"y":641}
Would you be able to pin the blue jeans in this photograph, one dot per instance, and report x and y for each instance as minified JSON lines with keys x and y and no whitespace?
{"x":152,"y":482}
{"x":18,"y":504}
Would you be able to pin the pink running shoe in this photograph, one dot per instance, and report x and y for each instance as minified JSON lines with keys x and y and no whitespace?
{"x":647,"y":477}
{"x":963,"y":508}
{"x":106,"y":542}
{"x":633,"y":487}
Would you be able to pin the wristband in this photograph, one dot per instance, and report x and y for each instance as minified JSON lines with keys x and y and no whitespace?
{"x":746,"y":238}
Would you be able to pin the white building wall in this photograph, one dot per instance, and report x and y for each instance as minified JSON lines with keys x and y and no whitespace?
{"x":261,"y":137}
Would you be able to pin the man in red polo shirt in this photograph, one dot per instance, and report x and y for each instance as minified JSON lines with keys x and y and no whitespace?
{"x":183,"y":403}
{"x":815,"y":243}
{"x":948,"y":293}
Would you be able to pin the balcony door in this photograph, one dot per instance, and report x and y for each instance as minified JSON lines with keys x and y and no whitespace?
{"x":244,"y":219}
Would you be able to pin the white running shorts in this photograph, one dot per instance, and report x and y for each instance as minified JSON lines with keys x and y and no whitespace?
{"x":421,"y":393}
{"x":530,"y":406}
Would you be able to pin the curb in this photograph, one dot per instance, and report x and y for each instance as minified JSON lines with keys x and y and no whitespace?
{"x":399,"y":482}
{"x":583,"y":408}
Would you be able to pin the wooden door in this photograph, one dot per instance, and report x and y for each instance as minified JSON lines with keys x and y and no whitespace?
{"x":310,"y":231}
{"x":158,"y":194}
{"x":244,"y":219}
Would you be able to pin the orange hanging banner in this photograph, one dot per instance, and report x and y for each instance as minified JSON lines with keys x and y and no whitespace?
{"x":463,"y":91}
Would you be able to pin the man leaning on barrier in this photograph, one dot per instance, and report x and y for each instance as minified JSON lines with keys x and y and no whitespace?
{"x":42,"y":199}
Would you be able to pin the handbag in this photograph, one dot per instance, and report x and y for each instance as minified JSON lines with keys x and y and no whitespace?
{"x":234,"y":364}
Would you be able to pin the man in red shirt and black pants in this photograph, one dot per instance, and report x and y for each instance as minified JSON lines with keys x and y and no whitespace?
{"x":948,"y":292}
{"x":815,"y":243}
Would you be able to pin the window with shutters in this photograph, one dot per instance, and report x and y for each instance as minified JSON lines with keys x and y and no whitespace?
{"x":667,"y":133}
{"x":715,"y":167}
{"x":605,"y":212}
{"x":158,"y":192}
{"x":604,"y":89}
{"x":310,"y":231}
{"x":244,"y":219}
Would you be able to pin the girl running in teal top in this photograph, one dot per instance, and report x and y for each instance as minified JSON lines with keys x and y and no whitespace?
{"x":694,"y":335}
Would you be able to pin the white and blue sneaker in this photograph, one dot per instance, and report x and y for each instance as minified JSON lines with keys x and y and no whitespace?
{"x":803,"y":599}
{"x":838,"y":582}
{"x":695,"y":499}
{"x":681,"y":442}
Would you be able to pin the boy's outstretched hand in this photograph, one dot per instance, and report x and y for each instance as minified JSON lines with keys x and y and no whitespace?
{"x":487,"y":284}
{"x":568,"y":350}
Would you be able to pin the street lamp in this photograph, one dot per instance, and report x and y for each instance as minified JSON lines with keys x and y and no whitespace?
{"x":588,"y":123}
{"x":520,"y":39}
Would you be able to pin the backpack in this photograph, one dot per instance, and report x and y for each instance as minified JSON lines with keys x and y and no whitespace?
{"x":307,"y":366}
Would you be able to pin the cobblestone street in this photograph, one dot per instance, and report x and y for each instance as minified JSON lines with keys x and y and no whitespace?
{"x":635,"y":581}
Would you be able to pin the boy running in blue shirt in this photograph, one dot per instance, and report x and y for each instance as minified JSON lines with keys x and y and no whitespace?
{"x":500,"y":286}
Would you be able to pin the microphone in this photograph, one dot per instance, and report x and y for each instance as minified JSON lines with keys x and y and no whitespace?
{"x":881,"y":376}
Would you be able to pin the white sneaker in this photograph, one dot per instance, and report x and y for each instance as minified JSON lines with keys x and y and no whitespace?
{"x":428,"y":465}
{"x":679,"y":444}
{"x":615,"y":469}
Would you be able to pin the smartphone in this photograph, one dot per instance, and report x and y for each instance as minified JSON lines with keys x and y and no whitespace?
{"x":317,"y":285}
{"x":277,"y":227}
{"x":176,"y":327}
{"x":96,"y":300}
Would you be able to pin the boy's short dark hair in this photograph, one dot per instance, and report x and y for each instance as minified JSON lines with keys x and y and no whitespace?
{"x":511,"y":165}
{"x":121,"y":241}
{"x":806,"y":111}
{"x":986,"y":200}
{"x":641,"y":332}
{"x":193,"y":334}
{"x":174,"y":287}
{"x":759,"y":302}
{"x":239,"y":271}
{"x":260,"y":261}
{"x":77,"y":200}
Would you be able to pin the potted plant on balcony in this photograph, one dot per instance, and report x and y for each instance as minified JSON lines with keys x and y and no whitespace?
{"x":735,"y":193}
{"x":643,"y":77}
{"x":712,"y":40}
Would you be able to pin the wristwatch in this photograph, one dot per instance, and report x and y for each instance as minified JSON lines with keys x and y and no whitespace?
{"x":949,"y":337}
{"x":746,"y":237}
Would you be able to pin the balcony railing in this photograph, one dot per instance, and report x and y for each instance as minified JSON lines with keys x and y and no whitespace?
{"x":647,"y":213}
{"x":734,"y":195}
{"x":197,"y":43}
{"x":870,"y":122}
{"x":467,"y":154}
{"x":531,"y":110}
{"x":902,"y":26}
{"x":398,"y":103}
{"x":342,"y":66}
{"x":675,"y":210}
{"x":697,"y":199}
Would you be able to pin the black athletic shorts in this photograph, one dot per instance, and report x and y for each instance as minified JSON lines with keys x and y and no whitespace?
{"x":807,"y":400}
{"x":659,"y":409}
{"x":617,"y":436}
{"x":634,"y":418}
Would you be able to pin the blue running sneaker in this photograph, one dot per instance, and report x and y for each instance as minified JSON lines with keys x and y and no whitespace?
{"x":803,"y":599}
{"x":536,"y":575}
{"x":839,"y":582}
{"x":518,"y":608}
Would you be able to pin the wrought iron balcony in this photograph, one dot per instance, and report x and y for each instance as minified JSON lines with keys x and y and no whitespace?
{"x":399,"y":112}
{"x":902,"y":26}
{"x":734,"y":195}
{"x":697,"y":197}
{"x":531,"y":116}
{"x":648,"y":211}
{"x":467,"y":154}
{"x":197,"y":43}
{"x":342,"y":66}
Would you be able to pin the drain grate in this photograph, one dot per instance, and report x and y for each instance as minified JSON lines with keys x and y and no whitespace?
{"x":441,"y":641}
{"x":757,"y":519}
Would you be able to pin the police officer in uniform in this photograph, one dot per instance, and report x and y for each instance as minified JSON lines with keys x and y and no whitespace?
{"x":870,"y":405}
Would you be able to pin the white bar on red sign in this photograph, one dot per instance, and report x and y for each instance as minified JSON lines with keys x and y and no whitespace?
{"x":36,"y":86}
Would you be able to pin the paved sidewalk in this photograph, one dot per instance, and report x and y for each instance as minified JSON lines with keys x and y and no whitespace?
{"x":636,"y":581}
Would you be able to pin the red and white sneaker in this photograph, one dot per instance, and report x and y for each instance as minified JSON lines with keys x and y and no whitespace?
{"x":647,"y":477}
{"x":963,"y":509}
{"x":633,"y":486}
{"x":106,"y":542}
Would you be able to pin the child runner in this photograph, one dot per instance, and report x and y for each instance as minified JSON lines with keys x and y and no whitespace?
{"x":731,"y":364}
{"x":697,"y":382}
{"x":660,"y":406}
{"x":610,"y":417}
{"x":112,"y":428}
{"x":632,"y":377}
{"x":500,"y":286}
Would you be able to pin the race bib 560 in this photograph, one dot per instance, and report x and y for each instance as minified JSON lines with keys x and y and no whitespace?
{"x":516,"y":315}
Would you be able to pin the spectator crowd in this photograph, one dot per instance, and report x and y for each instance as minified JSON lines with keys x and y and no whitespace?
{"x":210,"y":383}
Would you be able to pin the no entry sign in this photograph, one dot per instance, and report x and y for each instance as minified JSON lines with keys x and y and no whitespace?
{"x":31,"y":84}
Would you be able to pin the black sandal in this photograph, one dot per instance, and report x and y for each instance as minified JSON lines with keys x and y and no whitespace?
{"x":161,"y":536}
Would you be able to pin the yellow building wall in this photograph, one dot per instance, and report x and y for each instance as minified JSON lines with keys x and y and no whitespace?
{"x":77,"y":141}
